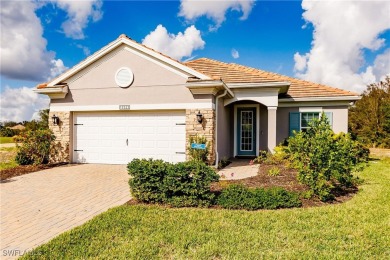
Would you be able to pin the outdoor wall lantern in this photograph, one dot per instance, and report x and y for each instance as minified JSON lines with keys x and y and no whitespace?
{"x":55,"y":119}
{"x":199,"y":117}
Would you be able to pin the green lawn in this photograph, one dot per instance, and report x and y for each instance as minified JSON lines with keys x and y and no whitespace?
{"x":357,"y":229}
{"x":6,"y":140}
{"x":7,"y":158}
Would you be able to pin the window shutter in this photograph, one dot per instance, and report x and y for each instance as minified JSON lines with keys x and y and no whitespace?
{"x":295,"y":122}
{"x":329,"y":115}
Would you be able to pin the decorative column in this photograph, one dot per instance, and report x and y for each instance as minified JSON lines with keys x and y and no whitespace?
{"x":60,"y":148}
{"x":271,"y":128}
{"x":206,"y":128}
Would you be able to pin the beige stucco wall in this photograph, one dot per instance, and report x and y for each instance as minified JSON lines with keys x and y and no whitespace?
{"x":339,"y":123}
{"x":263,"y":138}
{"x":340,"y":118}
{"x":153,"y":84}
{"x":282,"y":122}
{"x":225,"y":131}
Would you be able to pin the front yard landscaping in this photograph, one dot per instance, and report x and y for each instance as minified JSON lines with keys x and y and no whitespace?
{"x":356,"y":229}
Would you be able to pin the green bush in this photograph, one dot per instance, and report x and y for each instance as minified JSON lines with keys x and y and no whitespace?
{"x":325,"y":161}
{"x":277,"y":158}
{"x":188,"y":184}
{"x":179,"y":185}
{"x":148,"y":178}
{"x":198,"y":154}
{"x":241,"y":197}
{"x":8,"y":132}
{"x":274,"y":171}
{"x":35,"y":147}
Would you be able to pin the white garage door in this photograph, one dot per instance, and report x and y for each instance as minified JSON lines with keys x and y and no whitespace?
{"x":119,"y":137}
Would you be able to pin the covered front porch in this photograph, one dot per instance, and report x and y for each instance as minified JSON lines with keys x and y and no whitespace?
{"x":246,"y":116}
{"x":244,"y":128}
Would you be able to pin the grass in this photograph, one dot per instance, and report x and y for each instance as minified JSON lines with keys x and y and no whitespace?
{"x":8,"y":165}
{"x":6,"y":140}
{"x":7,"y":158}
{"x":356,"y":229}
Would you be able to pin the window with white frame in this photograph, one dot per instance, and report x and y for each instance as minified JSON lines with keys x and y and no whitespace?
{"x":300,"y":121}
{"x":307,"y":118}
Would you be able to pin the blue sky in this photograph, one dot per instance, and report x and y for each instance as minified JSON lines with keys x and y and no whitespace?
{"x":342,"y":44}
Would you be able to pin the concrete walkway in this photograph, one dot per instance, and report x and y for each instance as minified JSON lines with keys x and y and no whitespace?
{"x":6,"y":145}
{"x":239,"y":169}
{"x":37,"y":207}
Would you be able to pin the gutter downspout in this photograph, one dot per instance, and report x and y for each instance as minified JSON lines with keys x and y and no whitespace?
{"x":216,"y":125}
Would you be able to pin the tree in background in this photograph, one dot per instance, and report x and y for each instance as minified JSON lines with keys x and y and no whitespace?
{"x":42,"y":123}
{"x":369,"y":119}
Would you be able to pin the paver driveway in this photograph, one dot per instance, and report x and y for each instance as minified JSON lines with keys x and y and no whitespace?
{"x":39,"y":206}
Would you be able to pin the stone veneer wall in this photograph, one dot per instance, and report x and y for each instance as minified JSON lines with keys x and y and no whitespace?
{"x":206,"y":128}
{"x":60,"y":150}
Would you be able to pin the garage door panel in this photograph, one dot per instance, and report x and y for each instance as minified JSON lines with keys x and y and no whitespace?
{"x":119,"y":137}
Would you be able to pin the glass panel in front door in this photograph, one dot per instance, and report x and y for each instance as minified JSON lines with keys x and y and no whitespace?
{"x":246,"y":130}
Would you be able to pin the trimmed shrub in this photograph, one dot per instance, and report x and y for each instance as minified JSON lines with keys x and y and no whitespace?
{"x":241,"y":197}
{"x":325,"y":161}
{"x":148,"y":179}
{"x":179,"y":185}
{"x":35,"y":147}
{"x":188,"y":184}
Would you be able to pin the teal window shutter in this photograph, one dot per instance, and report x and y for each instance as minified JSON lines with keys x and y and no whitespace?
{"x":295,"y":122}
{"x":329,"y":115}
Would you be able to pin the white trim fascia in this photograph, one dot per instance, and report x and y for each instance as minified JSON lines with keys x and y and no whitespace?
{"x":315,"y":104}
{"x":133,"y":107}
{"x":257,"y":106}
{"x":132,"y":44}
{"x":53,"y":92}
{"x":342,"y":98}
{"x":208,"y":87}
{"x":282,"y":86}
{"x":311,"y":109}
{"x":260,"y":84}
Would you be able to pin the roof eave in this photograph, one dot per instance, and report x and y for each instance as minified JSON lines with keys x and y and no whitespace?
{"x":336,"y":98}
{"x":212,"y":87}
{"x":282,"y":87}
{"x":56,"y":92}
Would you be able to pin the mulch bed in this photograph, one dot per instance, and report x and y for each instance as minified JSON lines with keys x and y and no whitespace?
{"x":25,"y":169}
{"x":287,"y":179}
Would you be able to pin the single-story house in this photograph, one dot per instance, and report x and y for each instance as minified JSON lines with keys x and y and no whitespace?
{"x":129,"y":101}
{"x":17,"y":127}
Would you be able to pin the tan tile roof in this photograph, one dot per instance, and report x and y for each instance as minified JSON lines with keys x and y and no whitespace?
{"x":235,"y":73}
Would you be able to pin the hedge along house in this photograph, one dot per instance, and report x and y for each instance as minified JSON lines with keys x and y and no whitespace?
{"x":128,"y":101}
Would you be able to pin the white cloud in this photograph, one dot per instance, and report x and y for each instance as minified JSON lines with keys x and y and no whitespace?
{"x":342,"y":31}
{"x":214,"y":10}
{"x":19,"y":104}
{"x":79,"y":13}
{"x":57,"y":68}
{"x":85,"y":49}
{"x":235,"y":54}
{"x":381,"y":66}
{"x":176,"y":46}
{"x":300,"y":61}
{"x":23,"y":48}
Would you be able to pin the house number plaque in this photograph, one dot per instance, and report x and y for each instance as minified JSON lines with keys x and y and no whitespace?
{"x":124,"y":107}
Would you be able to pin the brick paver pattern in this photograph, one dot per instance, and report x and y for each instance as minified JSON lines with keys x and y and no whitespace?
{"x":39,"y":206}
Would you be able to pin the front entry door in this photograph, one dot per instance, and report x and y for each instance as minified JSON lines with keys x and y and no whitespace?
{"x":246,"y":131}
